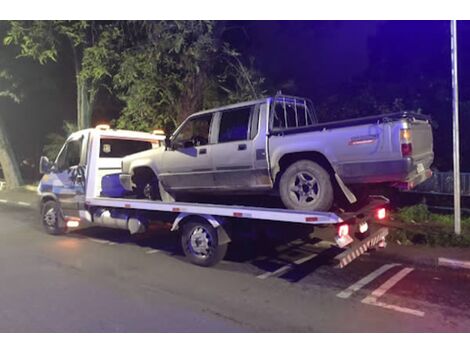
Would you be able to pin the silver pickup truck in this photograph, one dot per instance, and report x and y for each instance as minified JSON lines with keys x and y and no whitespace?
{"x":276,"y":145}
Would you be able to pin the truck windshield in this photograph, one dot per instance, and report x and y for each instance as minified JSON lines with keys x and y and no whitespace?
{"x":291,"y":112}
{"x":119,"y":148}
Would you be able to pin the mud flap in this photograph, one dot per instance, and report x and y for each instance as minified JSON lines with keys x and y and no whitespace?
{"x":346,"y":191}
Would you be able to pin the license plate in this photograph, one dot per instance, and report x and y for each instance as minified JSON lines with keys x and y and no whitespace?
{"x":420,"y":168}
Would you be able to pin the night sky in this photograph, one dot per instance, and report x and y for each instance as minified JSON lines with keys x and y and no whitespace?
{"x":316,"y":59}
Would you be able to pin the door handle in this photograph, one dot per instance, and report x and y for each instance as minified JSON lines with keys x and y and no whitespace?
{"x":202,"y":151}
{"x":242,"y":147}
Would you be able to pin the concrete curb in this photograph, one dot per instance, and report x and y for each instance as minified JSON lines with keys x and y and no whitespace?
{"x":428,"y":259}
{"x":453,"y":263}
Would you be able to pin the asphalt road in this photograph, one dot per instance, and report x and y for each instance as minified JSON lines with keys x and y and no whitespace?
{"x":105,"y":281}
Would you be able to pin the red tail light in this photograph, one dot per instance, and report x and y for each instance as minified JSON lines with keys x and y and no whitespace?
{"x":381,"y":213}
{"x":343,"y":230}
{"x":406,"y":149}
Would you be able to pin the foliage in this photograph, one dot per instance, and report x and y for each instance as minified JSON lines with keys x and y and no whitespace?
{"x":88,"y":43}
{"x":178,"y":68}
{"x":418,"y":225}
{"x":55,"y":141}
{"x":8,"y":87}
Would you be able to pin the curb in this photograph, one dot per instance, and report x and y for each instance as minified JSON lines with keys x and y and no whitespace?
{"x":430,"y":261}
{"x":452,"y":263}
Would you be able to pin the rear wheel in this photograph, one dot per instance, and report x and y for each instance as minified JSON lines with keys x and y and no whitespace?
{"x":201,"y":244}
{"x":52,"y":218}
{"x":305,"y":185}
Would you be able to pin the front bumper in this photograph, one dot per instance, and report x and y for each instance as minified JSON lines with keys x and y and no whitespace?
{"x":126,"y":182}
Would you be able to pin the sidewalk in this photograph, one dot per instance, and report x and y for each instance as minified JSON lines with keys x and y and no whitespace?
{"x":25,"y":197}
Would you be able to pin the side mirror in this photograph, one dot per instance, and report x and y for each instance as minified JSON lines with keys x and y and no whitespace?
{"x":44,"y":165}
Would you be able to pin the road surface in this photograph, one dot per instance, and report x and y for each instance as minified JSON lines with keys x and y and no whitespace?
{"x":105,"y":281}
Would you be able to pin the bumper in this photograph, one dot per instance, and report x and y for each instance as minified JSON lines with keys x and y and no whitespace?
{"x":126,"y":182}
{"x":407,"y":170}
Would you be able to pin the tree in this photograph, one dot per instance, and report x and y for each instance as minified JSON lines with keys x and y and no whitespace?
{"x":175,"y":68}
{"x":45,"y":41}
{"x":8,"y":163}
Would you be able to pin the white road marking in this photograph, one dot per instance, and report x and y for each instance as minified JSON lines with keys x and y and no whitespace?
{"x":396,"y":308}
{"x":287,"y":267}
{"x":99,"y":241}
{"x":152,"y":251}
{"x":453,"y":263}
{"x":3,"y":201}
{"x":24,"y":204}
{"x":365,"y":280}
{"x":387,"y":285}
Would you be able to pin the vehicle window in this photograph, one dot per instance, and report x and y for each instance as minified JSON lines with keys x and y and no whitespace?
{"x":70,"y":155}
{"x":195,"y":132}
{"x":234,"y":124}
{"x":119,"y":148}
{"x":291,"y":113}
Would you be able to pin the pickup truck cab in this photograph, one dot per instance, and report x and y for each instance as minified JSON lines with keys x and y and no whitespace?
{"x":276,"y":144}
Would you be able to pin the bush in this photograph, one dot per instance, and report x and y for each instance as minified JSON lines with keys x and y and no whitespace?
{"x":418,"y":225}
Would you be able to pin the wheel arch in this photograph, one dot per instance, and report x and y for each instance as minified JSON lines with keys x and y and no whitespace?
{"x":215,"y":222}
{"x":289,"y":158}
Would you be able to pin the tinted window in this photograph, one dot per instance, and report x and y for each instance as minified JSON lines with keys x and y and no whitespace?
{"x":195,"y":132}
{"x":234,"y":125}
{"x":119,"y":148}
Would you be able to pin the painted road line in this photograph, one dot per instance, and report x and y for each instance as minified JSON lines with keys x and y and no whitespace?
{"x":396,"y":308}
{"x":453,"y":263}
{"x":286,"y":268}
{"x":4,"y":201}
{"x":99,"y":241}
{"x":24,"y":204}
{"x":365,"y":280}
{"x":387,"y":285}
{"x":152,"y":251}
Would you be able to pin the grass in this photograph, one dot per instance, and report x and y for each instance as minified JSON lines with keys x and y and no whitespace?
{"x":418,"y":225}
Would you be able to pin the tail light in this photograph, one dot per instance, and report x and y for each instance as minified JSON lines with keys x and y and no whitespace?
{"x":405,"y":142}
{"x":381,"y":214}
{"x":343,"y":231}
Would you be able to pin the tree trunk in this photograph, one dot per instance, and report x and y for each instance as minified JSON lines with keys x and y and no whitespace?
{"x":8,"y":161}
{"x":84,"y":105}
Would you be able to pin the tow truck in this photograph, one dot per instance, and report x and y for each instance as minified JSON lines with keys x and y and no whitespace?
{"x":81,"y":189}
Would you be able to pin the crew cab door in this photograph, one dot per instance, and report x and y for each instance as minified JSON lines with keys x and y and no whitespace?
{"x":67,"y":180}
{"x":187,"y":164}
{"x":234,"y":154}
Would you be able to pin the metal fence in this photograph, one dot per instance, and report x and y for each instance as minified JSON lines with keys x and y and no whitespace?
{"x":443,"y":183}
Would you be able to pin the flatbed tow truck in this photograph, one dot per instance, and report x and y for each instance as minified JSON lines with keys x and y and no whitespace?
{"x":72,"y":195}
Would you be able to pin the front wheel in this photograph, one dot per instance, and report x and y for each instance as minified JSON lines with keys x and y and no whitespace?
{"x":305,"y":185}
{"x":52,"y":218}
{"x":200,"y":244}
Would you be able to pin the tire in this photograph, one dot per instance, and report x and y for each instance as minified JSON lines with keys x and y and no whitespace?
{"x":305,"y":185}
{"x":147,"y":187}
{"x":201,"y":244}
{"x":52,"y":219}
